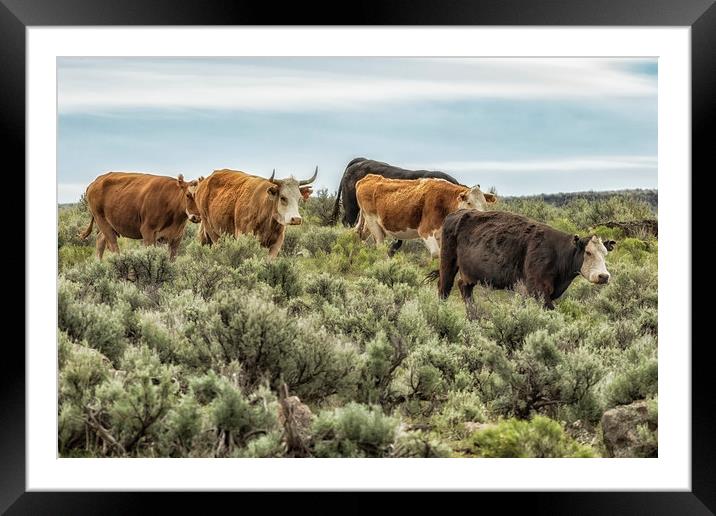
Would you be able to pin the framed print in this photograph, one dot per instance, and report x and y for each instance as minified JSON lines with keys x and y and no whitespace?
{"x":416,"y":253}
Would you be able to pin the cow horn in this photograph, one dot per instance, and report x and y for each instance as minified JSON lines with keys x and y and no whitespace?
{"x":272,"y":174}
{"x":309,"y":181}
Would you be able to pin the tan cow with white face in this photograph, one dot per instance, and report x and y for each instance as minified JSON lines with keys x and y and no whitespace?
{"x":233,"y":202}
{"x":413,"y":208}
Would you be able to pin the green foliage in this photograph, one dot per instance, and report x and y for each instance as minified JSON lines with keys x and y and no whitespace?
{"x":147,"y":267}
{"x":185,"y":358}
{"x":318,"y":208}
{"x":537,"y":438}
{"x":353,"y":431}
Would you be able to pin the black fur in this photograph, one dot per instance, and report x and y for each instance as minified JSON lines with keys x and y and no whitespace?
{"x":357,"y":169}
{"x":499,"y":249}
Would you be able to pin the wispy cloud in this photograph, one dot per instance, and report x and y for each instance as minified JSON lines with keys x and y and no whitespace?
{"x":587,"y":163}
{"x":110,"y":85}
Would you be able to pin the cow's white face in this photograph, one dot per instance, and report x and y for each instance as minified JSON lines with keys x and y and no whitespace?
{"x":594,"y":268}
{"x":475,"y":199}
{"x":287,"y":193}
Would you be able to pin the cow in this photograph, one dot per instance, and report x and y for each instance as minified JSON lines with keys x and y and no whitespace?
{"x":140,"y":206}
{"x":413,"y":208}
{"x":500,"y":249}
{"x":356,"y":170}
{"x":234,"y":203}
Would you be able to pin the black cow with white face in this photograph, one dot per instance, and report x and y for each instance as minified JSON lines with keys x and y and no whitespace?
{"x":500,"y":249}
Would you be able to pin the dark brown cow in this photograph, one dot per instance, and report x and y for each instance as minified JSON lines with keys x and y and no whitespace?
{"x":413,"y":208}
{"x":140,"y":206}
{"x":500,"y":249}
{"x":232,"y":202}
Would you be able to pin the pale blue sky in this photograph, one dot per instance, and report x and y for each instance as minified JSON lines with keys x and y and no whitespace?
{"x":524,"y":126}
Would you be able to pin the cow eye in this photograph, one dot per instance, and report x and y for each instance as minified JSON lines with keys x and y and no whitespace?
{"x":588,"y":253}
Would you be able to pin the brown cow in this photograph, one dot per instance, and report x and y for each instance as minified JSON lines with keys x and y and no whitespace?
{"x":232,"y":202}
{"x":140,"y":206}
{"x":413,"y":208}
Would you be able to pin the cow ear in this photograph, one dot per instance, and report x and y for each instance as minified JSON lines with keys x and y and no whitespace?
{"x":609,"y":244}
{"x":579,"y":242}
{"x":491,"y":198}
{"x":306,"y":191}
{"x":272,"y":191}
{"x":180,"y":180}
{"x":463,"y":196}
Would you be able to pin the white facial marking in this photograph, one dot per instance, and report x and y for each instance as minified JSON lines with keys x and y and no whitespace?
{"x":475,"y":200}
{"x":287,"y":202}
{"x":594,"y":267}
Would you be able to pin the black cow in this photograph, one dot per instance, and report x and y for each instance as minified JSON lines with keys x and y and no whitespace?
{"x":356,"y":170}
{"x":500,"y":248}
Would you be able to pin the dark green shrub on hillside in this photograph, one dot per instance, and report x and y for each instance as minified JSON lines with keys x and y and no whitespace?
{"x":326,"y":288}
{"x":540,"y":437}
{"x":630,"y":289}
{"x":420,"y":444}
{"x":204,"y":279}
{"x":72,"y":221}
{"x":238,"y":418}
{"x":353,"y":430}
{"x":349,"y":254}
{"x":393,"y":271}
{"x":509,"y":326}
{"x":99,"y":325}
{"x":318,"y":208}
{"x":461,"y":407}
{"x":229,"y":250}
{"x":283,"y":275}
{"x":320,"y":240}
{"x":637,"y":374}
{"x":319,"y":365}
{"x":148,"y":267}
{"x":134,"y":403}
{"x":383,"y":356}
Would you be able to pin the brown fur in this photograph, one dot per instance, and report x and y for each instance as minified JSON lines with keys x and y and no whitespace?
{"x":403,"y":204}
{"x":233,"y":202}
{"x":139,"y":206}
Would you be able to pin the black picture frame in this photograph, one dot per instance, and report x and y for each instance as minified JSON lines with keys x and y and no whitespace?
{"x":17,"y":15}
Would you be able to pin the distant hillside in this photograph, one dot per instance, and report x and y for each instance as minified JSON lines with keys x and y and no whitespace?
{"x":560,"y":199}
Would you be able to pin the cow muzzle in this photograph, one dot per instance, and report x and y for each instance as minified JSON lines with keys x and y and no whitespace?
{"x":602,"y":279}
{"x":295,"y":221}
{"x":195,"y":218}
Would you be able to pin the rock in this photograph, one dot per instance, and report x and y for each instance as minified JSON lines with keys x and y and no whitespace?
{"x":620,"y":432}
{"x":296,"y":418}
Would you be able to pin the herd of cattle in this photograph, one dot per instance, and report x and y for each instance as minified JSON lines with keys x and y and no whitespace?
{"x":454,"y":221}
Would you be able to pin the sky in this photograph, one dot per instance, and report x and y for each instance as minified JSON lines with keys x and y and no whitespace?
{"x":523,"y":126}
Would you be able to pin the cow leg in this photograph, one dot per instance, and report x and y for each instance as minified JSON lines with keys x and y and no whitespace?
{"x":173,"y":247}
{"x":466,"y":292}
{"x":276,"y":246}
{"x":110,"y":235}
{"x":149,"y":236}
{"x":101,"y":244}
{"x":375,"y":230}
{"x":394,"y":247}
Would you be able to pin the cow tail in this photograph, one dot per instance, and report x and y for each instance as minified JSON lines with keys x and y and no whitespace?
{"x":87,"y":231}
{"x":448,"y":256}
{"x":432,"y":276}
{"x":337,"y":205}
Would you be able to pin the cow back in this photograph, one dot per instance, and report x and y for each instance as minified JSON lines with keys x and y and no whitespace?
{"x":127,"y":200}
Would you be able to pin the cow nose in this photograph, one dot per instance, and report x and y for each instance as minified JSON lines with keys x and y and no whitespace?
{"x":604,"y":278}
{"x":295,"y":221}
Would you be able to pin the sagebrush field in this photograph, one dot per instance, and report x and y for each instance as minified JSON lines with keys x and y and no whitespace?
{"x":201,"y":357}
